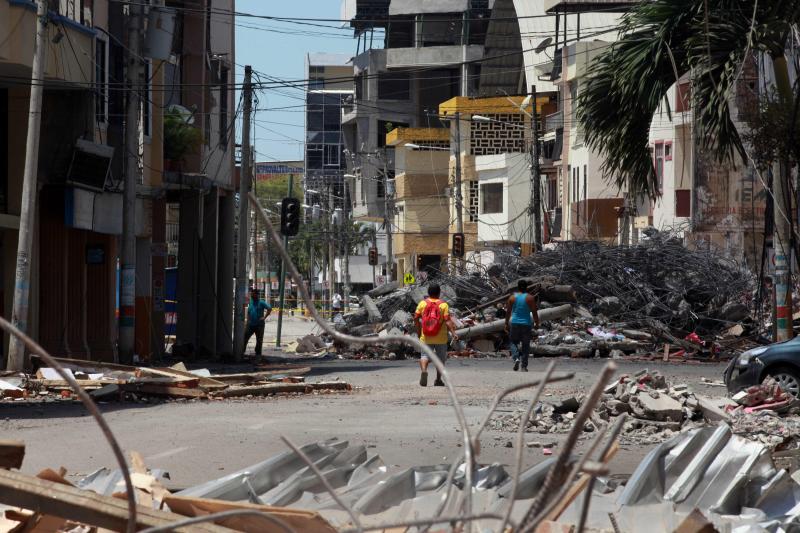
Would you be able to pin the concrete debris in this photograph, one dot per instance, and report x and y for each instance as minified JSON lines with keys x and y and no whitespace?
{"x":656,"y":411}
{"x":310,"y":344}
{"x":621,"y":308}
{"x":107,"y":382}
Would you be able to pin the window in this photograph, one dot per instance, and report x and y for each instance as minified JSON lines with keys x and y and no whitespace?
{"x":101,"y":80}
{"x":572,"y":183}
{"x":491,"y":198}
{"x":683,"y":203}
{"x":394,"y":86}
{"x":659,"y":164}
{"x":668,"y":151}
{"x":316,"y":83}
{"x":439,"y":30}
{"x":223,"y":107}
{"x":585,"y":185}
{"x":314,"y":156}
{"x":332,"y":155}
{"x":683,"y":97}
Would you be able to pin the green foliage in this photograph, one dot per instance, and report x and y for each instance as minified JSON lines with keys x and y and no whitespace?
{"x":660,"y":41}
{"x":180,"y":138}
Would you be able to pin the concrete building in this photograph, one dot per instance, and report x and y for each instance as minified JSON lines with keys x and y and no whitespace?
{"x":75,"y":247}
{"x":425,"y":54}
{"x":200,"y":76}
{"x":421,"y":225}
{"x":329,"y":86}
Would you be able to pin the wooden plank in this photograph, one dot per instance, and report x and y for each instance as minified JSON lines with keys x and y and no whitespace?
{"x":12,"y":452}
{"x":83,"y":506}
{"x":666,"y":352}
{"x":250,"y":377}
{"x":578,"y":487}
{"x":163,"y":372}
{"x":280,"y":388}
{"x":161,"y":390}
{"x":298,"y":519}
{"x":205,"y":383}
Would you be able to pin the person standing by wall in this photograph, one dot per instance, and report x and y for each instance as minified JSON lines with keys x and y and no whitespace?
{"x":257,"y":312}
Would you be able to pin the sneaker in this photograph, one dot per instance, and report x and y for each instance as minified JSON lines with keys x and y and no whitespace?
{"x":524,"y":368}
{"x":516,"y":366}
{"x":438,"y":383}
{"x":423,"y":379}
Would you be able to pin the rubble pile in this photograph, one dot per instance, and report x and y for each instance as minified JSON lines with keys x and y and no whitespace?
{"x":656,"y":410}
{"x":660,"y":279}
{"x":113,"y":382}
{"x":595,"y":300}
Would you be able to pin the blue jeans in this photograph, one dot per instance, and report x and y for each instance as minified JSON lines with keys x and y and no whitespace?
{"x":519,"y":336}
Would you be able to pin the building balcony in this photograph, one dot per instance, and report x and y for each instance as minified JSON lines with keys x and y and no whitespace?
{"x":583,"y":6}
{"x":68,"y":58}
{"x":432,"y":56}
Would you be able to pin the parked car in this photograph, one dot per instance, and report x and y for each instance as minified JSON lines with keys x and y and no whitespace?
{"x":780,"y":360}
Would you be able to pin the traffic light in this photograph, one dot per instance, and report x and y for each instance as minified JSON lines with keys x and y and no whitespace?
{"x":458,"y":245}
{"x":373,"y":256}
{"x":290,"y":217}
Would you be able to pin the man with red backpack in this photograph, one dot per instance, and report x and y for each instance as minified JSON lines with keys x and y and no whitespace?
{"x":431,"y":315}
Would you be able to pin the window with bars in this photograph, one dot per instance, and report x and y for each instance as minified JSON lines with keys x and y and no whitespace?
{"x":473,"y":200}
{"x":491,"y":198}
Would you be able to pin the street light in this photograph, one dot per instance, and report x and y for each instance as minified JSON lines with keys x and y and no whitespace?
{"x":412,"y":146}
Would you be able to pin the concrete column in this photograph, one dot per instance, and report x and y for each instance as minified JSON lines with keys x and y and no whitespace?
{"x":227,"y":211}
{"x":208,"y":305}
{"x":188,"y":271}
{"x":144,"y":302}
{"x":158,"y":262}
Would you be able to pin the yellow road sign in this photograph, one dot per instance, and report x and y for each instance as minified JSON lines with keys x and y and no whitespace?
{"x":408,"y":279}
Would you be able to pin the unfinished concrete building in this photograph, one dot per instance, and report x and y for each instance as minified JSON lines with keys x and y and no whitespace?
{"x":426,"y":53}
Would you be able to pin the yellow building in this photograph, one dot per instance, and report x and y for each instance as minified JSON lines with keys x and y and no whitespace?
{"x":422,"y":213}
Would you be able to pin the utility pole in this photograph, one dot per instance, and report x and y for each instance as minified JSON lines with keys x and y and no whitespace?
{"x":459,"y":195}
{"x":781,"y":241}
{"x":536,"y":180}
{"x":331,"y":247}
{"x":244,"y":206}
{"x":127,"y":322}
{"x":348,"y":228}
{"x":19,"y":313}
{"x":388,"y":215}
{"x":282,"y":282}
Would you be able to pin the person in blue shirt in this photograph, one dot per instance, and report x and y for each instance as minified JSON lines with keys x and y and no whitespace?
{"x":257,"y":312}
{"x":519,"y":308}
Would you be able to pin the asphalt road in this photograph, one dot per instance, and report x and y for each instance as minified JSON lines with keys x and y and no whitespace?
{"x":388,"y":410}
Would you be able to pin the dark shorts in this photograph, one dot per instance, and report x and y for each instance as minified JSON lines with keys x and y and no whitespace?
{"x":520,"y":333}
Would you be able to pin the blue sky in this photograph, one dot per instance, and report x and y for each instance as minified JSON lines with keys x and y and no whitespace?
{"x":279,"y":132}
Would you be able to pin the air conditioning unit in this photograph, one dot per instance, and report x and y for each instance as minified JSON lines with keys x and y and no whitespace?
{"x":90,"y":165}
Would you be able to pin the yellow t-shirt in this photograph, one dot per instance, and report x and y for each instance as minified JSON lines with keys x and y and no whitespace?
{"x":441,"y":337}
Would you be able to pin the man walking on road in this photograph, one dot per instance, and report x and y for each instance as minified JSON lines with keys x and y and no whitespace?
{"x":257,"y":312}
{"x":519,"y":308}
{"x":430,"y":318}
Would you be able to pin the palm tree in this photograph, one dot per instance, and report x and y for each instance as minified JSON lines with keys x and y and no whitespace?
{"x":660,"y":41}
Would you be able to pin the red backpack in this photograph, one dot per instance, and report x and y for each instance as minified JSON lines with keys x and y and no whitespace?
{"x":431,"y":318}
